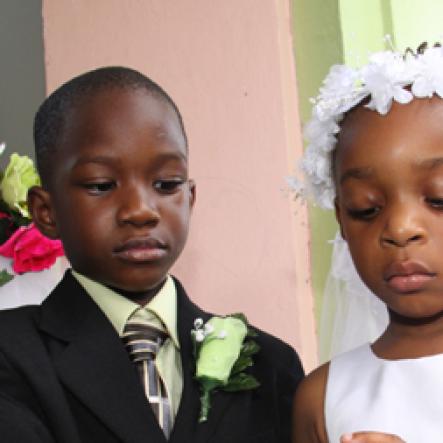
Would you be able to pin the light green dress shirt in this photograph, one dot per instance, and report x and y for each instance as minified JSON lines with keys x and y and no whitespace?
{"x":162,"y":309}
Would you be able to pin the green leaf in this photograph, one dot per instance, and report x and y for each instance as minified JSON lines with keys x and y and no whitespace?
{"x":18,"y":219}
{"x":5,"y":277}
{"x":251,"y":333}
{"x":241,"y":382}
{"x":240,"y":316}
{"x":241,"y":364}
{"x":249,"y":348}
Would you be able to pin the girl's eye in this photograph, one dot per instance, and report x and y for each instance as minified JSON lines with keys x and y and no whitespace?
{"x":363,"y":214}
{"x":99,"y":188}
{"x":168,"y":186}
{"x":436,"y":203}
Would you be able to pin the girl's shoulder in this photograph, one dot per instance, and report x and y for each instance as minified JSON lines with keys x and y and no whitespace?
{"x":308,"y":413}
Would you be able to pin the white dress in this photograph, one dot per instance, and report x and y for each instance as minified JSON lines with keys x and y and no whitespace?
{"x":402,"y":397}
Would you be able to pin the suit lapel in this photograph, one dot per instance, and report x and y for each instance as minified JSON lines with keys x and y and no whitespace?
{"x":187,"y":428}
{"x":94,"y":366}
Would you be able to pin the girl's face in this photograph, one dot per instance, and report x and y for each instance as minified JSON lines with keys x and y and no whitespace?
{"x":389,"y":175}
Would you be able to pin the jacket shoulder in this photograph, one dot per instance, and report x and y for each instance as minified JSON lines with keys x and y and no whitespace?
{"x":15,"y":317}
{"x":17,"y":325}
{"x":281,"y":353}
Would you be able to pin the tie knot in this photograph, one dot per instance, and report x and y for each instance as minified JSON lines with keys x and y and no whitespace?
{"x":142,"y":341}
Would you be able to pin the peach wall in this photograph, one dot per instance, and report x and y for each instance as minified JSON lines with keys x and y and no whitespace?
{"x":229,"y":67}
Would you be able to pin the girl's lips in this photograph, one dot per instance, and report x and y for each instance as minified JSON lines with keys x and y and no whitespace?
{"x":409,"y":283}
{"x":140,"y":250}
{"x":406,"y":277}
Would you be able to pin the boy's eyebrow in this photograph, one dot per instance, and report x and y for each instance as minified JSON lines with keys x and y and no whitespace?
{"x":358,"y":173}
{"x":96,"y":159}
{"x":108,"y":160}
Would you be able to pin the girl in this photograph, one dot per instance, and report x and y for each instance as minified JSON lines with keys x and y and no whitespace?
{"x":376,"y":156}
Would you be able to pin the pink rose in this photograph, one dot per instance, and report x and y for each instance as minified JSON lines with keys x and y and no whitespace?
{"x":31,"y":250}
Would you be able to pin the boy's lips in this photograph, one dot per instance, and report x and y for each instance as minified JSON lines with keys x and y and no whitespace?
{"x":407,"y":277}
{"x":141,"y":249}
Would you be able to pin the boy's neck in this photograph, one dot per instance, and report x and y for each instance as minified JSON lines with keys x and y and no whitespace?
{"x":142,"y":298}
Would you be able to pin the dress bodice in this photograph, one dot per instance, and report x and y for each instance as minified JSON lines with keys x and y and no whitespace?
{"x":402,"y":397}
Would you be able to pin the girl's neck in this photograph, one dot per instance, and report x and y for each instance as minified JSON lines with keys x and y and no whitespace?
{"x":410,"y":338}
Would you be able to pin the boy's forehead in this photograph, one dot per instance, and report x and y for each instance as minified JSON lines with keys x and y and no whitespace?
{"x":112,"y":112}
{"x":105,"y":124}
{"x":118,"y":102}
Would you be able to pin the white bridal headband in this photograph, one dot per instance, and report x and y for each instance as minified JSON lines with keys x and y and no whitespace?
{"x":388,"y":76}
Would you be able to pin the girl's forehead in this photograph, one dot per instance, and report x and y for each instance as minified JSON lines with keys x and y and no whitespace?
{"x":420,"y":119}
{"x":407,"y":133}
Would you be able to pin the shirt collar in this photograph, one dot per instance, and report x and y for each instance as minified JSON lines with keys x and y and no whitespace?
{"x":118,"y":308}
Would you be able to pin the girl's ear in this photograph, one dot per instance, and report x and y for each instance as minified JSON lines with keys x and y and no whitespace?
{"x":338,"y":216}
{"x":42,"y":212}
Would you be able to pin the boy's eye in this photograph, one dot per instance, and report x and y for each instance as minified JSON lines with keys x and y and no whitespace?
{"x":99,"y":187}
{"x":436,"y":203}
{"x":363,"y":214}
{"x":168,"y":186}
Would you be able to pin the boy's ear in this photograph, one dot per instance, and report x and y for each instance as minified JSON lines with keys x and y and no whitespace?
{"x":192,"y":193}
{"x":338,"y":217}
{"x":42,"y":212}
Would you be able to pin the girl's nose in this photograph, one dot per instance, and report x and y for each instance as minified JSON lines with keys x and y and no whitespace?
{"x":138,"y":208}
{"x":403,"y":227}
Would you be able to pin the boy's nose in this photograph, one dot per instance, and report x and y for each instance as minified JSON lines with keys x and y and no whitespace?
{"x":403,"y":227}
{"x":138,"y":209}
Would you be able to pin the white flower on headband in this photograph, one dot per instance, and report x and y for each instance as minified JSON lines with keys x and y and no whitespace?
{"x":384,"y":79}
{"x":389,"y":76}
{"x":429,"y":78}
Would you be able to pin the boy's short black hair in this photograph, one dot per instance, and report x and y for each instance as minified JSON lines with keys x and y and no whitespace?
{"x":50,"y":118}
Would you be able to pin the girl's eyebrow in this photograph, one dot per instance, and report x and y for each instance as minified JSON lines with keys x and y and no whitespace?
{"x":364,"y":173}
{"x":430,"y":163}
{"x":358,"y":173}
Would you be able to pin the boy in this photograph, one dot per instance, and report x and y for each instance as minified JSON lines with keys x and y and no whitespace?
{"x":112,"y":154}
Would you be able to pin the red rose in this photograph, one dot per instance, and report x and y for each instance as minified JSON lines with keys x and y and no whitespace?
{"x":31,"y":250}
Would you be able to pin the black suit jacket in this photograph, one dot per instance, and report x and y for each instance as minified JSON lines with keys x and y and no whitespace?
{"x":65,"y":377}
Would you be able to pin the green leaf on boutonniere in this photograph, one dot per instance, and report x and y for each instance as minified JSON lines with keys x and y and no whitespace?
{"x":250,"y":348}
{"x":241,"y":382}
{"x":5,"y":277}
{"x":243,"y":362}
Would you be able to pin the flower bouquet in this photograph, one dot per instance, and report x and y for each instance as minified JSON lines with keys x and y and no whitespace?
{"x":20,"y":240}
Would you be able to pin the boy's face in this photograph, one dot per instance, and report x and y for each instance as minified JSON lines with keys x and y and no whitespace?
{"x":120,"y":198}
{"x":389,"y":175}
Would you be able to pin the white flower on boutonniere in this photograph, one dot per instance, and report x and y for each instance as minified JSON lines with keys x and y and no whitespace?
{"x":223,"y":352}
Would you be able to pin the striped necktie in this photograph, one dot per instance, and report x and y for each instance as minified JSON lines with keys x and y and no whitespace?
{"x":142,"y":341}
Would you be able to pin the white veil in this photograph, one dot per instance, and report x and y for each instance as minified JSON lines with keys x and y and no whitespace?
{"x":351,"y":314}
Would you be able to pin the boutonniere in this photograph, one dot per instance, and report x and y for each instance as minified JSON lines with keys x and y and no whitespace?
{"x":223,"y":350}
